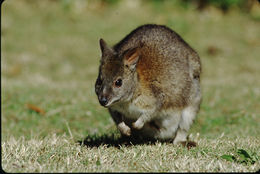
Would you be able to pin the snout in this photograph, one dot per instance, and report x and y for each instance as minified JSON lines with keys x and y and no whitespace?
{"x":103,"y":100}
{"x":107,"y":101}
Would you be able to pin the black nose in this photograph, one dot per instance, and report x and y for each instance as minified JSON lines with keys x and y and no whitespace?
{"x":103,"y":101}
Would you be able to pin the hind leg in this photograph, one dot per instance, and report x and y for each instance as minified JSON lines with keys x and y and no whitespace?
{"x":188,"y":114}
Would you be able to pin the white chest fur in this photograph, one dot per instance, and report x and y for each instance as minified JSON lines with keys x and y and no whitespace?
{"x":129,"y":110}
{"x":166,"y":120}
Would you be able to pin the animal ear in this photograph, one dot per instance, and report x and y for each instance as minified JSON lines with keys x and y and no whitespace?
{"x":131,"y":57}
{"x":104,"y":48}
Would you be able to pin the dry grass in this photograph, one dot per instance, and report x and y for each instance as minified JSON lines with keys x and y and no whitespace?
{"x":49,"y":60}
{"x":59,"y":154}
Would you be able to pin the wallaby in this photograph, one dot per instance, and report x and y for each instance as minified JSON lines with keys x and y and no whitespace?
{"x":150,"y":83}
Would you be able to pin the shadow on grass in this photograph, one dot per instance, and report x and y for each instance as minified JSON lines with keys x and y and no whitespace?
{"x":113,"y":140}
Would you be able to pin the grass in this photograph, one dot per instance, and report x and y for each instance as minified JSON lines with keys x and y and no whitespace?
{"x":49,"y":59}
{"x":59,"y":154}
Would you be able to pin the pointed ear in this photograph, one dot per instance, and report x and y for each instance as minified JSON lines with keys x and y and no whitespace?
{"x":102,"y":44}
{"x":131,"y":57}
{"x":104,"y":48}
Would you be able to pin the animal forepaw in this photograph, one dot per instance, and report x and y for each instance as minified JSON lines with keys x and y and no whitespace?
{"x":124,"y":129}
{"x":138,"y":124}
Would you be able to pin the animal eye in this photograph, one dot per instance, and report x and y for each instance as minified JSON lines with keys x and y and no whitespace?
{"x":118,"y":83}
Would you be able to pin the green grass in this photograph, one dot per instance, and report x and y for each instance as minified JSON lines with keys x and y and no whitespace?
{"x":50,"y":57}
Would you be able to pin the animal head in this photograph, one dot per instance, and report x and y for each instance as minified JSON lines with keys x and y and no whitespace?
{"x":117,"y":75}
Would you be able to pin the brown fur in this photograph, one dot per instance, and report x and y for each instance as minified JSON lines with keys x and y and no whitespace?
{"x":159,"y":71}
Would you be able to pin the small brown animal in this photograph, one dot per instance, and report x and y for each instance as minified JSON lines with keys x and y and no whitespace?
{"x":150,"y":83}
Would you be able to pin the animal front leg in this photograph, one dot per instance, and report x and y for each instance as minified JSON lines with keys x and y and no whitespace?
{"x":144,"y":118}
{"x":124,"y":129}
{"x":118,"y":119}
{"x":139,"y":123}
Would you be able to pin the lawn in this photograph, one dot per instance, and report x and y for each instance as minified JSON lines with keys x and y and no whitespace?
{"x":51,"y":120}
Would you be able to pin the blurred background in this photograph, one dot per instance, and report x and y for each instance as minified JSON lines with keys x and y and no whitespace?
{"x":50,"y":56}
